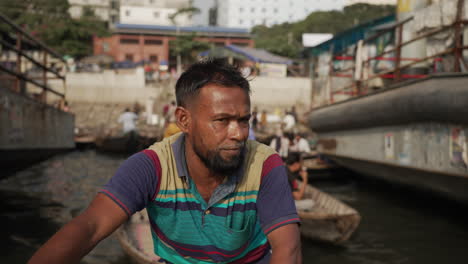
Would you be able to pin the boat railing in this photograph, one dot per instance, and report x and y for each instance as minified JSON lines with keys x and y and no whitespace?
{"x":357,"y":77}
{"x":27,"y":65}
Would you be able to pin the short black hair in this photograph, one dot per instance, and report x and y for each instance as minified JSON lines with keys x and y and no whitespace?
{"x":293,"y":157}
{"x":208,"y":71}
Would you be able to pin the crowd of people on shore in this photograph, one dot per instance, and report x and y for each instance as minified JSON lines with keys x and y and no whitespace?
{"x":291,"y":146}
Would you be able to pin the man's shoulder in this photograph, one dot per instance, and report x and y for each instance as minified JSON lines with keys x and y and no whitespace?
{"x":256,"y":149}
{"x":264,"y":155}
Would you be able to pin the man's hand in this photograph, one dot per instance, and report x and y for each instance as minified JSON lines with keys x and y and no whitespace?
{"x":285,"y":244}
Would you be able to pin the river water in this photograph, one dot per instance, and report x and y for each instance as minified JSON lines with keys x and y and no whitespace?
{"x":396,"y":228}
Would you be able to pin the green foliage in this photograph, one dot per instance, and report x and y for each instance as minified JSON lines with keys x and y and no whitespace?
{"x":187,"y":47}
{"x":186,"y":10}
{"x":286,"y":39}
{"x":49,"y":21}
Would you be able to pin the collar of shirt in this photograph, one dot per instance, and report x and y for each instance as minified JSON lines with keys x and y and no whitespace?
{"x":227,"y":187}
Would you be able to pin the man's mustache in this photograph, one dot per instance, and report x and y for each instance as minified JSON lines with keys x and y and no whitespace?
{"x":239,"y":145}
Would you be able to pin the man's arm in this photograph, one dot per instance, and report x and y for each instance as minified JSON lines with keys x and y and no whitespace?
{"x":81,"y":235}
{"x":277,"y":213}
{"x":285,"y":244}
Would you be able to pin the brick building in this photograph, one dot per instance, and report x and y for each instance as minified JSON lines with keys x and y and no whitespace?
{"x":151,"y":42}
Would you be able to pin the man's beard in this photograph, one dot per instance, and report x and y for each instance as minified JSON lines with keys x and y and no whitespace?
{"x":215,"y":162}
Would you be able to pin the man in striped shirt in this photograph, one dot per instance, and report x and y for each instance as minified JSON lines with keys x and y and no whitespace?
{"x":212,"y":196}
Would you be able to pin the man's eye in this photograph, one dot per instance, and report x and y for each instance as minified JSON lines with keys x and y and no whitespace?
{"x":244,"y":121}
{"x":221,"y":120}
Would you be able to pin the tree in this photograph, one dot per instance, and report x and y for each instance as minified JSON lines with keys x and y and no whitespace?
{"x":187,"y":47}
{"x":285,"y":39}
{"x":49,"y":21}
{"x":186,"y":10}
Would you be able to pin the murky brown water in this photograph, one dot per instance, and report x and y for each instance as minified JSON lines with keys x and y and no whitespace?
{"x":395,"y":228}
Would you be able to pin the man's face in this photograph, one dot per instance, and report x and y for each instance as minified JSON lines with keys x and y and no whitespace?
{"x":220,"y":126}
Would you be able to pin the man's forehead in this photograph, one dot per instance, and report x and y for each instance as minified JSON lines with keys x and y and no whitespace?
{"x":216,"y":97}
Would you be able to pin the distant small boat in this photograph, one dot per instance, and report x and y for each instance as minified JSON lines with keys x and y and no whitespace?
{"x":329,"y":219}
{"x":135,"y":239}
{"x":322,"y":170}
{"x":316,"y":163}
{"x":128,"y":143}
{"x":84,"y":141}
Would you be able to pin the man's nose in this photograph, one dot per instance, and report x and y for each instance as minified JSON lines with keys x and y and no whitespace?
{"x":237,"y":131}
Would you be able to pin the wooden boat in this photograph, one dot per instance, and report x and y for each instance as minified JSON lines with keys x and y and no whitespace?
{"x":135,"y":239}
{"x":317,"y":164}
{"x":329,"y":219}
{"x":322,"y":170}
{"x":128,"y":143}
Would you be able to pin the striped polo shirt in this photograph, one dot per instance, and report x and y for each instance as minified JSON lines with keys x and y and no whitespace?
{"x":232,"y":227}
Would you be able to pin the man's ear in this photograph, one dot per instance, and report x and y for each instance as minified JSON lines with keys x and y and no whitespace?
{"x":183,"y":118}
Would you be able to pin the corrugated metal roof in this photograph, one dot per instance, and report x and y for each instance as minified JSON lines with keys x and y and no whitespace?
{"x":259,"y":55}
{"x":348,"y":37}
{"x":256,"y":55}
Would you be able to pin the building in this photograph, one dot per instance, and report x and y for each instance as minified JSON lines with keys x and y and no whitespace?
{"x":154,"y":12}
{"x":156,"y":3}
{"x":203,"y":17}
{"x":135,"y":43}
{"x":101,"y":8}
{"x":371,"y":2}
{"x":249,"y":13}
{"x":142,"y":15}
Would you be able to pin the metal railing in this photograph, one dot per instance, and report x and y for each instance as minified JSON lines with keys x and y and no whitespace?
{"x":360,"y":84}
{"x":20,"y":43}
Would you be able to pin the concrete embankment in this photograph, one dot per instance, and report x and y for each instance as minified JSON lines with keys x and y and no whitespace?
{"x":30,"y":130}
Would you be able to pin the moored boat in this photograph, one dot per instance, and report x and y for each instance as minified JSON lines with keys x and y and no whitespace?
{"x":135,"y":239}
{"x":128,"y":143}
{"x":329,"y":219}
{"x":319,"y":169}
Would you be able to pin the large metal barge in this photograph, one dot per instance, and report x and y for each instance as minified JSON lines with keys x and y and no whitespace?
{"x":400,"y":113}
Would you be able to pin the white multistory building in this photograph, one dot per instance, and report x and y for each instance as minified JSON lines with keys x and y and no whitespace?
{"x":154,"y":12}
{"x":156,"y":3}
{"x":249,"y":13}
{"x":371,"y":2}
{"x":101,"y":8}
{"x":141,"y":15}
{"x":151,"y":12}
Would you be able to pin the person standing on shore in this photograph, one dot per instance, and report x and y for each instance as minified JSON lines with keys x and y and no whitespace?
{"x":128,"y":120}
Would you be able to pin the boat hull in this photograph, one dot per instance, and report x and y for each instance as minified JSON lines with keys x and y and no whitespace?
{"x":135,"y":239}
{"x":444,"y":185}
{"x":329,"y":220}
{"x":413,"y":134}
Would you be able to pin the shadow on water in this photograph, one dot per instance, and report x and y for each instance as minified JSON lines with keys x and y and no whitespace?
{"x":37,"y":201}
{"x":21,"y":227}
